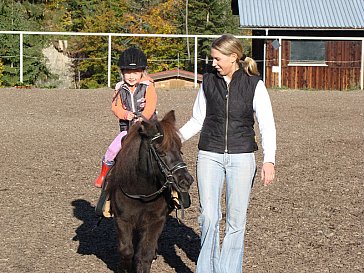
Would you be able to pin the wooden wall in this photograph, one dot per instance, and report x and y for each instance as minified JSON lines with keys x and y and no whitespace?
{"x":174,"y":83}
{"x":341,"y":73}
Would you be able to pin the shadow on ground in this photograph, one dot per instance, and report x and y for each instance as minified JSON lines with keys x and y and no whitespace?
{"x":177,"y":235}
{"x":101,"y":239}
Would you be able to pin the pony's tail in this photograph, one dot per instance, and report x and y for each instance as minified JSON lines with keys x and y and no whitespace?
{"x":250,"y":67}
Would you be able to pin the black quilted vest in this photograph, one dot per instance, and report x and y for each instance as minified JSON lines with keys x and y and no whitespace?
{"x":229,"y":123}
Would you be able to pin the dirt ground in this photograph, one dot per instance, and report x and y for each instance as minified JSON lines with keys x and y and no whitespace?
{"x":311,"y":220}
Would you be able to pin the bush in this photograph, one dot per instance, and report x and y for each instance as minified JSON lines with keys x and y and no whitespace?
{"x":89,"y":84}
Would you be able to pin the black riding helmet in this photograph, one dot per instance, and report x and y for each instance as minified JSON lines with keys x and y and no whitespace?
{"x":132,"y":58}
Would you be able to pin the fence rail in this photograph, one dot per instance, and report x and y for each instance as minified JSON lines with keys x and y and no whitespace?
{"x":195,"y":37}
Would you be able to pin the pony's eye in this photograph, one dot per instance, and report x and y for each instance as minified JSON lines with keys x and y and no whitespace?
{"x":181,"y":152}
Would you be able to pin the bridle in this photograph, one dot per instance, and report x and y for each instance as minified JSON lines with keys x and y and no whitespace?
{"x":166,"y":170}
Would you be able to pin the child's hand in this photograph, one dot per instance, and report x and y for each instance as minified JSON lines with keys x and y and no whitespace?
{"x":130,"y":116}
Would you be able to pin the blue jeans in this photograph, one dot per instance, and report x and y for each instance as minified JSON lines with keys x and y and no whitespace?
{"x":238,"y":171}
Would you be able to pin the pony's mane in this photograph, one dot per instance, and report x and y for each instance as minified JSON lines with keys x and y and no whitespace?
{"x":128,"y":159}
{"x":171,"y":137}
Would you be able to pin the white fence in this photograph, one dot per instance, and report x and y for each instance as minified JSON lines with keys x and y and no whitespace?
{"x":195,"y":38}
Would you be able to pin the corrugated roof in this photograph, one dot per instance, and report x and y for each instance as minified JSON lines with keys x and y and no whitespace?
{"x":322,"y":14}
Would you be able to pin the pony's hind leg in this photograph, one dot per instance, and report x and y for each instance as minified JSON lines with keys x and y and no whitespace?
{"x":147,"y":246}
{"x":125,"y":244}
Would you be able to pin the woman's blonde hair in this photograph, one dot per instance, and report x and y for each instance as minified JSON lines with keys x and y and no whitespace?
{"x":228,"y":44}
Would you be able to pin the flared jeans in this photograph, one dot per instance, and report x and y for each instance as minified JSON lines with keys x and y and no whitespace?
{"x":214,"y":170}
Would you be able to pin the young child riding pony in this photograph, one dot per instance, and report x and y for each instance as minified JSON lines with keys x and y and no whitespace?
{"x":134,"y":96}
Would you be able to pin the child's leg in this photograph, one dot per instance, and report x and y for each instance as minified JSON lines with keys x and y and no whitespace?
{"x":114,"y":148}
{"x":108,"y":159}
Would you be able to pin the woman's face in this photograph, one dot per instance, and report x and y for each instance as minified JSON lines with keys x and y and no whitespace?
{"x":225,"y":64}
{"x":132,"y":76}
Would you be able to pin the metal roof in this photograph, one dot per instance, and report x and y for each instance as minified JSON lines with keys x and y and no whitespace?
{"x":306,"y":14}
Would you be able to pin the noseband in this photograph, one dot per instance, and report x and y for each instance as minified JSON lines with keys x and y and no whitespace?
{"x":166,"y":170}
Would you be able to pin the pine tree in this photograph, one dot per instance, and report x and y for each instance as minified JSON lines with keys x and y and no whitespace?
{"x":210,"y":17}
{"x":15,"y":15}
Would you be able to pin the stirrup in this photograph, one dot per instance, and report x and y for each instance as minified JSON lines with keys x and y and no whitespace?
{"x":102,"y":208}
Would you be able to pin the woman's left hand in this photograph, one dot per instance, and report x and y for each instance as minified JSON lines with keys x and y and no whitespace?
{"x":268,"y":173}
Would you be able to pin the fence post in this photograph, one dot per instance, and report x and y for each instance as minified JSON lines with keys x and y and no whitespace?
{"x":21,"y":56}
{"x":265,"y":54}
{"x":264,"y":57}
{"x":362,"y":66}
{"x":280,"y":63}
{"x":195,"y":61}
{"x":109,"y":64}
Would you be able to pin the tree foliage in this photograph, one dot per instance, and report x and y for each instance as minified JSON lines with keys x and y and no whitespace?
{"x":213,"y":17}
{"x":22,"y":15}
{"x":110,"y":16}
{"x":158,"y":19}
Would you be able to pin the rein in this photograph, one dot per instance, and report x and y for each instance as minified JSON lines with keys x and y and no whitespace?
{"x":166,"y":171}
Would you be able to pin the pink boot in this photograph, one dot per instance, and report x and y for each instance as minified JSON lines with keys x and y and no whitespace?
{"x":105,"y":167}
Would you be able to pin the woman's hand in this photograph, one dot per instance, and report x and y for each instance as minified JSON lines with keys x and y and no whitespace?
{"x":268,"y":173}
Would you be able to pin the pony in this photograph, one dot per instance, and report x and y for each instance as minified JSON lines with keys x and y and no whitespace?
{"x":147,"y":169}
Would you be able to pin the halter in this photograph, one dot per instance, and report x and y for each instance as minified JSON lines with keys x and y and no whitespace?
{"x":167,"y":171}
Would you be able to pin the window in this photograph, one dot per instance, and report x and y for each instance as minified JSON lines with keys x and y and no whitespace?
{"x":307,"y":52}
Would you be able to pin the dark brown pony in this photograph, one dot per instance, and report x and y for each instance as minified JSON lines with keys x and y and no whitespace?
{"x":146,"y":169}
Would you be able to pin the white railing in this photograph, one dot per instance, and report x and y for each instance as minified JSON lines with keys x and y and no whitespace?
{"x":195,"y":37}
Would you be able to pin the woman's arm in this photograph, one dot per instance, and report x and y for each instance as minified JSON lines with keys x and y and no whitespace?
{"x":264,"y":114}
{"x":194,"y":125}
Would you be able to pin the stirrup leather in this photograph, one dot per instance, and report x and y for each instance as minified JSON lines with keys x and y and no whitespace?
{"x":102,"y":208}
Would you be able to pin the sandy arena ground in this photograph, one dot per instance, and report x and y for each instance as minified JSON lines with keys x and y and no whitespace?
{"x":311,"y":220}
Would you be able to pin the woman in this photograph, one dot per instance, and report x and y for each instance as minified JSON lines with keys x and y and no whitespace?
{"x":224,"y":113}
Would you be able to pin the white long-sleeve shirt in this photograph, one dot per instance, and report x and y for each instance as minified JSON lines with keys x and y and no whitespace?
{"x":263,"y":112}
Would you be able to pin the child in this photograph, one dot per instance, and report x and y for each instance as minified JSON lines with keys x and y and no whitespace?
{"x":134,"y":96}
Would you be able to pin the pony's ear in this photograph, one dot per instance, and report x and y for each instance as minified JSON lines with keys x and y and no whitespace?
{"x":147,"y":128}
{"x":144,"y":127}
{"x":170,"y":117}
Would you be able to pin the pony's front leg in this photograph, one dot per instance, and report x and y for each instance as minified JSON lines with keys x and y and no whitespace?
{"x":125,"y":245}
{"x":147,"y":246}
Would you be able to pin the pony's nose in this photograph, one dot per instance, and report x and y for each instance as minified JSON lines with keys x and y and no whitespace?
{"x":190,"y":179}
{"x":184,"y":180}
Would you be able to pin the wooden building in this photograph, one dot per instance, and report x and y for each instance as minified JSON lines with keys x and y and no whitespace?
{"x":307,"y":44}
{"x":175,"y":78}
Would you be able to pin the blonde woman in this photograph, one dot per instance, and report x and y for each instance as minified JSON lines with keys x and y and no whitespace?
{"x":224,"y":111}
